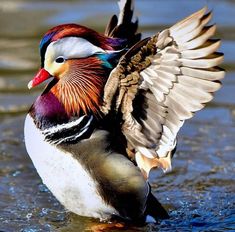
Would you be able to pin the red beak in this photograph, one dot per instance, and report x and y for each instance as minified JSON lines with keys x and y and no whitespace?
{"x":41,"y":76}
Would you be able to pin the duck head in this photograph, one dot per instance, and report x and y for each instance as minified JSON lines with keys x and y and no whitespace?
{"x":79,"y":60}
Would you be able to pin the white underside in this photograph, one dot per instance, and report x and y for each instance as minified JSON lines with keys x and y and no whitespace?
{"x":64,"y":176}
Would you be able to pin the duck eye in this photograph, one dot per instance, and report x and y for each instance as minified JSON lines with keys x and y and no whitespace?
{"x":60,"y":59}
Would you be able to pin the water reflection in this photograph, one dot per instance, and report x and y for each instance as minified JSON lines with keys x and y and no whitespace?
{"x":199,"y":193}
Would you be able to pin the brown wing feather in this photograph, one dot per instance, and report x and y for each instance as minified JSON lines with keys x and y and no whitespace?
{"x":174,"y":73}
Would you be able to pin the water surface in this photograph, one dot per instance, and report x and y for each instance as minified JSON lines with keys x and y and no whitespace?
{"x":200,"y":191}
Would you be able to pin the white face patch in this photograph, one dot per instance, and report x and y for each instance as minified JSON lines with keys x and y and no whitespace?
{"x":69,"y":48}
{"x":72,"y":47}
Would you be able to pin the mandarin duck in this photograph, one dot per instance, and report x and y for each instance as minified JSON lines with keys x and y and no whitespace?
{"x":113,"y":108}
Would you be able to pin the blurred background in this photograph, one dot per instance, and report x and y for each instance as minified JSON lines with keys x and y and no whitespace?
{"x":200,"y":191}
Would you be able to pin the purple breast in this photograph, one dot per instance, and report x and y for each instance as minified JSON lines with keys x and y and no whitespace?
{"x":47,"y":111}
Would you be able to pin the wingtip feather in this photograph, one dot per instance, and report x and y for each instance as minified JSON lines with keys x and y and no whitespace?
{"x":197,"y":15}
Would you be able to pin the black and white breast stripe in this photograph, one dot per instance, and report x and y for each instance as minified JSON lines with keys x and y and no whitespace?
{"x":70,"y":132}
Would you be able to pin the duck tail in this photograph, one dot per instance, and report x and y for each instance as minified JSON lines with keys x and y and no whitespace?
{"x":155,"y":209}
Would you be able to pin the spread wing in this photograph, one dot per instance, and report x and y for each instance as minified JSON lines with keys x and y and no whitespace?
{"x":161,"y":82}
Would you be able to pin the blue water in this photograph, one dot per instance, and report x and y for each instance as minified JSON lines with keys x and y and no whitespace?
{"x":200,"y":191}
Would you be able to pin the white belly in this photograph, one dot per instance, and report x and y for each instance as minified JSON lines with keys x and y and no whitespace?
{"x":64,"y":176}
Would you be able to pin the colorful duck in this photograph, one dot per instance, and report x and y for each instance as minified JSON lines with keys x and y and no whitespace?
{"x":114,"y":107}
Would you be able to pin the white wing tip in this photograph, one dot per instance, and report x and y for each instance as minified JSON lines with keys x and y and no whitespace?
{"x":121,"y":5}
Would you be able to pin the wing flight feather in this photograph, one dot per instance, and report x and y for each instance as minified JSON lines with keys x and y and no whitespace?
{"x":161,"y":82}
